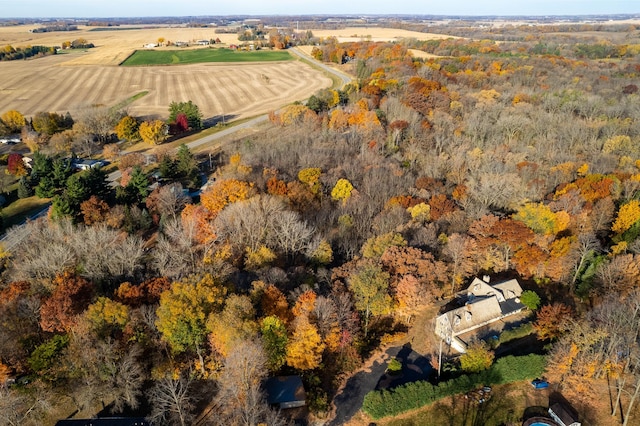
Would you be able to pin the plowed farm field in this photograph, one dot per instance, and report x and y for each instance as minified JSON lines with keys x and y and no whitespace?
{"x":74,"y":81}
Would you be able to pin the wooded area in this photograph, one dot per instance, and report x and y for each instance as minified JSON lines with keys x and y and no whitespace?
{"x":318,"y":239}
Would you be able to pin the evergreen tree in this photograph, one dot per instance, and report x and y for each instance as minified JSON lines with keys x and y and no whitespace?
{"x":24,"y":188}
{"x":191,"y":110}
{"x":96,"y":182}
{"x":46,"y":188}
{"x":41,"y":166}
{"x":187,"y":166}
{"x":62,"y":208}
{"x":61,"y":171}
{"x":168,"y":168}
{"x":138,"y":185}
{"x":76,"y":191}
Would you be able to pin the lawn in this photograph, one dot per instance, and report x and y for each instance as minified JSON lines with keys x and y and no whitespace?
{"x":196,"y":56}
{"x":21,"y":209}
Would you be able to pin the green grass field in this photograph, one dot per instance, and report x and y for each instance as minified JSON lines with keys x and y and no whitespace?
{"x":175,"y":57}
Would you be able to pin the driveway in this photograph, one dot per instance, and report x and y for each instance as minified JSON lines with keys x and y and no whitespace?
{"x":349,"y":400}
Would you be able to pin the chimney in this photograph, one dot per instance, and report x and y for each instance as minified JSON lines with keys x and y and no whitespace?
{"x":486,"y":278}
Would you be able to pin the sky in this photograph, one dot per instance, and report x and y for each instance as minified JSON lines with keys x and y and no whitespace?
{"x":131,"y":8}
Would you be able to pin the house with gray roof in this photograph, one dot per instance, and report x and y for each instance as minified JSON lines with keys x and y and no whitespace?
{"x":484,"y":303}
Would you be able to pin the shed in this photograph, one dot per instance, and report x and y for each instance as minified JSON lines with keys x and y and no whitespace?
{"x":563,"y":415}
{"x":286,"y":391}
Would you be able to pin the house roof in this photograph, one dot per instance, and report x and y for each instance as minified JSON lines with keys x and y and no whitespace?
{"x":510,"y":289}
{"x":285,"y":389}
{"x":474,"y":314}
{"x":560,"y":412}
{"x":485,"y":304}
{"x":503,"y":290}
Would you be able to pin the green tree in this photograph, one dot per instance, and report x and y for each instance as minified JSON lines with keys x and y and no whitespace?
{"x":61,"y":171}
{"x":138,"y":185}
{"x":41,"y":166}
{"x":24,"y":188}
{"x":274,"y":337}
{"x":61,"y":208}
{"x":45,"y":356}
{"x":369,"y":285}
{"x":530,"y":299}
{"x":76,"y":190}
{"x":477,"y":358}
{"x":187,"y":166}
{"x":168,"y":168}
{"x":46,"y":188}
{"x":96,"y":182}
{"x":191,"y":110}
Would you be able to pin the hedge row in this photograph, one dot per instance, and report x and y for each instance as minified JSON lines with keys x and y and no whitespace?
{"x":410,"y":396}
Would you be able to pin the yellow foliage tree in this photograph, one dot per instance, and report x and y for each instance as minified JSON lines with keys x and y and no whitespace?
{"x":255,"y":259}
{"x":375,"y":247}
{"x":420,"y":212}
{"x":304,"y":350}
{"x":311,"y":177}
{"x":184,"y":310}
{"x":14,"y":120}
{"x":105,"y":314}
{"x":541,"y":219}
{"x":293,"y":114}
{"x":477,"y":358}
{"x":628,"y":214}
{"x":322,"y":254}
{"x":153,"y":132}
{"x":342,"y":190}
{"x":235,"y":323}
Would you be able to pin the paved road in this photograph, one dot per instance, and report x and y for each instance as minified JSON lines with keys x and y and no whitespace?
{"x":350,"y":399}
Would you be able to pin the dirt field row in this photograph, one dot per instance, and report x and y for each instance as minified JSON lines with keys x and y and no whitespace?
{"x":233,"y":89}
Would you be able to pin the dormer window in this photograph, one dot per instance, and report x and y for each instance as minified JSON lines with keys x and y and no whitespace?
{"x":456,"y":320}
{"x":468,"y":316}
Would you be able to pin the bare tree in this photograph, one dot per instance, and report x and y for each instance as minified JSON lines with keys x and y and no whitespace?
{"x":171,"y":401}
{"x":241,"y":399}
{"x":19,"y":408}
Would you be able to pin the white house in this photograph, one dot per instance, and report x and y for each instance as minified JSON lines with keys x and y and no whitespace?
{"x":485,"y":304}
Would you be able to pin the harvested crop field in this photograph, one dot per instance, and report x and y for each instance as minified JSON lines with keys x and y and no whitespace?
{"x":236,"y":90}
{"x":376,"y":34}
{"x":113,"y":45}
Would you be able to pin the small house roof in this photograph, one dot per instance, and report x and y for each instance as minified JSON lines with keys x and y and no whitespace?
{"x":285,"y":389}
{"x":560,"y":413}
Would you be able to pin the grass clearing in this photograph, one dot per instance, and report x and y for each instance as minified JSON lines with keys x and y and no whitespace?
{"x":16,"y":212}
{"x":196,"y":56}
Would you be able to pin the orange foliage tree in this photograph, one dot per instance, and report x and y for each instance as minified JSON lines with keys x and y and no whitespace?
{"x":225,"y":192}
{"x":71,"y":296}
